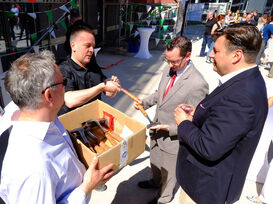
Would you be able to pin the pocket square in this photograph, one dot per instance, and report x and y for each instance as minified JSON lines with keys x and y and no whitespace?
{"x":201,"y":105}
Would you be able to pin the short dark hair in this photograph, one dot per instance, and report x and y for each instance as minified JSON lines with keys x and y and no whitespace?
{"x":80,"y":28}
{"x":245,"y":37}
{"x":181,"y":42}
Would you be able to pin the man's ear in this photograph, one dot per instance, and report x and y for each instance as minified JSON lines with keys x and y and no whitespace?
{"x":188,"y":55}
{"x":72,"y":45}
{"x":48,"y":95}
{"x":237,"y":56}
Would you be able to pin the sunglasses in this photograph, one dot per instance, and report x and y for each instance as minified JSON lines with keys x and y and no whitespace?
{"x":64,"y":82}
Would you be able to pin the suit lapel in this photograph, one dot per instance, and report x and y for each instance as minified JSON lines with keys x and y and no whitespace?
{"x":164,"y":82}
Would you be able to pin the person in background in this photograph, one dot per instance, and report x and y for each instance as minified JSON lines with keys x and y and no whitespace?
{"x":47,"y":169}
{"x":13,"y":20}
{"x":267,"y":32}
{"x":218,"y":138}
{"x":216,"y":28}
{"x":180,"y":83}
{"x":249,"y":19}
{"x":232,"y":18}
{"x":228,"y":19}
{"x":255,"y":17}
{"x":237,"y":17}
{"x":15,"y":10}
{"x":215,"y":13}
{"x":243,"y":18}
{"x":207,"y":34}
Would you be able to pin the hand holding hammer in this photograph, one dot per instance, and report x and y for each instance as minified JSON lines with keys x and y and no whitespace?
{"x":138,"y":106}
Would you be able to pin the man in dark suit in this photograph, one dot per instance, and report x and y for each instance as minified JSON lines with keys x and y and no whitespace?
{"x":181,"y":82}
{"x":249,"y":19}
{"x":219,"y":140}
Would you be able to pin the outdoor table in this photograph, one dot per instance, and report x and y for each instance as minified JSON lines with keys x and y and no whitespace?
{"x":145,"y":34}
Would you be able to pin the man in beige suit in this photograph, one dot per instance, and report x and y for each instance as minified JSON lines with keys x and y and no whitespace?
{"x":181,"y":83}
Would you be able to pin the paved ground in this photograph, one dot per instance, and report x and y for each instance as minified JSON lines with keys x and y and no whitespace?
{"x":141,"y":77}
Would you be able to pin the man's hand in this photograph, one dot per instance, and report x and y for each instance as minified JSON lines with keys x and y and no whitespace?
{"x":112,"y":87}
{"x":180,"y":115}
{"x":94,"y":177}
{"x":136,"y":105}
{"x":116,"y":80}
{"x":160,"y":127}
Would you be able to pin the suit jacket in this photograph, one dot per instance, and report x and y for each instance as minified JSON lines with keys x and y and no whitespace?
{"x":217,"y":146}
{"x":190,"y":88}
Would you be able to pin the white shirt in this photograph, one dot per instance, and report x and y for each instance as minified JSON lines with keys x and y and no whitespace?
{"x":227,"y":77}
{"x":15,"y":11}
{"x":179,"y":74}
{"x":41,"y":166}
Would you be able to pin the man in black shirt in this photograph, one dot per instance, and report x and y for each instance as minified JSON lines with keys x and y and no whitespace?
{"x":84,"y":81}
{"x":207,"y":35}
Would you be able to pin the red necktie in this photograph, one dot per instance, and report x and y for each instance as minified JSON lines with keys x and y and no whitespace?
{"x":170,"y":85}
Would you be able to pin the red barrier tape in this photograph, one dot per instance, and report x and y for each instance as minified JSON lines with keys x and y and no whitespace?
{"x":110,"y":65}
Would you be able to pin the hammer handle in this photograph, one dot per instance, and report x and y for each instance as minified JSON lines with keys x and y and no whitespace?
{"x":115,"y":136}
{"x":132,"y":96}
{"x":110,"y":139}
{"x":136,"y":99}
{"x":140,"y":107}
{"x":103,"y":145}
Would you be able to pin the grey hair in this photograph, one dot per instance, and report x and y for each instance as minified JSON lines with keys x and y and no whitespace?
{"x":28,"y":76}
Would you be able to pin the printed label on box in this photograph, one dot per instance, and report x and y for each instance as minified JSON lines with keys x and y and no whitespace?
{"x":123,"y":153}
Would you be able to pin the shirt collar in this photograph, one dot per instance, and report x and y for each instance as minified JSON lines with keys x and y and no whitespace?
{"x":227,"y":77}
{"x":76,"y":66}
{"x":180,"y":72}
{"x":37,"y":129}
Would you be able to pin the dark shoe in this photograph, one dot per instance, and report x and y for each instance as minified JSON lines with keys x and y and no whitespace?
{"x":101,"y":188}
{"x":147,"y":185}
{"x":154,"y":201}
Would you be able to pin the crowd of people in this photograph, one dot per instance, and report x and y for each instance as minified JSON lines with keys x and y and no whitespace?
{"x":216,"y":22}
{"x":202,"y":142}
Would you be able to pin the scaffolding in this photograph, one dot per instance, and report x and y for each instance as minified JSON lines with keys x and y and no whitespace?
{"x":133,"y":14}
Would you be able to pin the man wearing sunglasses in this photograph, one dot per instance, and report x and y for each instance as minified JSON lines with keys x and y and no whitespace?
{"x":40,"y":163}
{"x":181,"y":82}
{"x":85,"y":82}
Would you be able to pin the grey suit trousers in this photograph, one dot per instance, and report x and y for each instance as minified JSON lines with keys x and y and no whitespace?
{"x":163,"y":165}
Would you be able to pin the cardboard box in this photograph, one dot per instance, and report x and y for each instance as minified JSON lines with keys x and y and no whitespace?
{"x":120,"y":154}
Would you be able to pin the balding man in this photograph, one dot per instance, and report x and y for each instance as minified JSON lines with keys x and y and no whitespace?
{"x":85,"y":82}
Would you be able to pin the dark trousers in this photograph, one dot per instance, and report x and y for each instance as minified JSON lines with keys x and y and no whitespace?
{"x":206,"y":41}
{"x":261,"y":52}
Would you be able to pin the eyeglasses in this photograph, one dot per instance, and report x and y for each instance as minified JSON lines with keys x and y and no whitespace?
{"x":176,"y":63}
{"x":64,"y":82}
